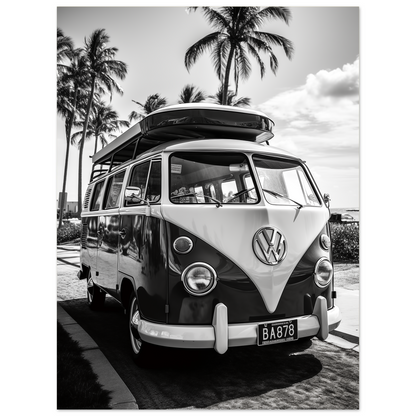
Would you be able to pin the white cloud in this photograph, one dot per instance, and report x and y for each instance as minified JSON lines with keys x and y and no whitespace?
{"x":319,"y":122}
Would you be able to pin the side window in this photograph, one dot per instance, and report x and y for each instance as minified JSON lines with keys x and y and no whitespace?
{"x":97,"y":196}
{"x":154,"y":186}
{"x":114,"y":186}
{"x":138,"y":179}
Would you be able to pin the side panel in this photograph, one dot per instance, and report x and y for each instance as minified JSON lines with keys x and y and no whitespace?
{"x":89,"y":243}
{"x":142,"y":256}
{"x":107,"y":250}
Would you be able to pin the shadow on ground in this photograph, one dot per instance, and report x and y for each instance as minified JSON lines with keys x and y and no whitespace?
{"x":305,"y":375}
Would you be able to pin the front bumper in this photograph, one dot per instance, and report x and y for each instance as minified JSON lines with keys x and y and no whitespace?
{"x":221,"y":335}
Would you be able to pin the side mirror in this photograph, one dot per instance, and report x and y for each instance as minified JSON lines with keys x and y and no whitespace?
{"x":327,"y":200}
{"x":133,"y":195}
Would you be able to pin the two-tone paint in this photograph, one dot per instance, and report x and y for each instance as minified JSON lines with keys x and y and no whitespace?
{"x":131,"y":249}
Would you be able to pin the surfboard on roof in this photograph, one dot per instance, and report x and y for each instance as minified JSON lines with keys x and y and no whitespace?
{"x":198,"y":121}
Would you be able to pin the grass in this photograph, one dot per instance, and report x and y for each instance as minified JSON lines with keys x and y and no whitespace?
{"x":77,"y":385}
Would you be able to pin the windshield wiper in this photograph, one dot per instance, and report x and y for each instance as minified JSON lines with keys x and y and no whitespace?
{"x":282,"y":196}
{"x":244,"y":191}
{"x":218,"y":203}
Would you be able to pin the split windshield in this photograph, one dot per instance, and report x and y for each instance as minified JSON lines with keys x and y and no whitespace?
{"x":284,"y":182}
{"x":227,"y":178}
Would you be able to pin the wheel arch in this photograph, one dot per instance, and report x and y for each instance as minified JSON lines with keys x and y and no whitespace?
{"x":83,"y":271}
{"x":126,"y":289}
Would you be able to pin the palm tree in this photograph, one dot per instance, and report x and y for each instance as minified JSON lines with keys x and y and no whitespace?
{"x":153,"y":102}
{"x":236,"y":36}
{"x":102,"y":68}
{"x":103,"y":123}
{"x":191,"y":94}
{"x":230,"y":99}
{"x":64,"y":47}
{"x":71,"y":79}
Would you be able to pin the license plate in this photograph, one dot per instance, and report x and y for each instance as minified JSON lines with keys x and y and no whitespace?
{"x":275,"y":332}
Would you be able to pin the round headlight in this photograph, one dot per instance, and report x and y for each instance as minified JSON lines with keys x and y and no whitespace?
{"x":183,"y":245}
{"x":199,"y":279}
{"x":325,"y":242}
{"x":323,"y":272}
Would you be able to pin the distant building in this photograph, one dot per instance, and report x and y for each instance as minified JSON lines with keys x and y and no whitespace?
{"x":70,"y":206}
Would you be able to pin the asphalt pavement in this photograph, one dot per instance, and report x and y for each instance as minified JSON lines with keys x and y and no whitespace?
{"x":69,"y":287}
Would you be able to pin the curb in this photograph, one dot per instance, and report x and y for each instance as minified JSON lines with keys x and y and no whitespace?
{"x":121,"y":397}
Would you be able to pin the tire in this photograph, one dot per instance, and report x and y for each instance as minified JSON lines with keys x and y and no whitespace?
{"x":139,"y":348}
{"x":95,"y":296}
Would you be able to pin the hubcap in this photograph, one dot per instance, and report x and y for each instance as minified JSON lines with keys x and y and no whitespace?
{"x":134,"y":320}
{"x":90,"y":289}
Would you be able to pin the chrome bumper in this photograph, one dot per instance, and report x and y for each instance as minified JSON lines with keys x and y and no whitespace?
{"x":221,"y":335}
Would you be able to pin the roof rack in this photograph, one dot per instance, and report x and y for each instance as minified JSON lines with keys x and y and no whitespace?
{"x":184,"y":121}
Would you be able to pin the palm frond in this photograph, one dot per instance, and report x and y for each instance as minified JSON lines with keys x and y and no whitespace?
{"x":238,"y":33}
{"x":198,"y":48}
{"x":191,"y":94}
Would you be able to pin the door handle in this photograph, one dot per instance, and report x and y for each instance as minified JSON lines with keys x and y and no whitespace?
{"x":122,"y":233}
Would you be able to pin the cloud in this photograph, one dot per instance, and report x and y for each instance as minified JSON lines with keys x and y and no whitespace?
{"x":319,"y":122}
{"x":338,"y":83}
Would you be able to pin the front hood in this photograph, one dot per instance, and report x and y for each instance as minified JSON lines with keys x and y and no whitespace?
{"x":230,"y":229}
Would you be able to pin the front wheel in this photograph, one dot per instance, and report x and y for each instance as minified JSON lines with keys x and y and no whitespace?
{"x":95,"y":296}
{"x":138,"y":347}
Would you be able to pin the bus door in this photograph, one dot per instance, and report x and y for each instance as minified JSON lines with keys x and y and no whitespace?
{"x":109,"y":227}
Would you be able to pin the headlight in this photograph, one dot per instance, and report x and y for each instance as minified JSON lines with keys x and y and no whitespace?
{"x":199,"y":279}
{"x":323,"y":272}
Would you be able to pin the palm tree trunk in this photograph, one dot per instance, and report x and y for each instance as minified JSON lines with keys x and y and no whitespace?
{"x":68,"y":139}
{"x":95,"y":145}
{"x":81,"y":148}
{"x":61,"y":206}
{"x":227,"y":76}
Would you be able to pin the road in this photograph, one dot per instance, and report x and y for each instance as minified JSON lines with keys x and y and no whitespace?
{"x":308,"y":375}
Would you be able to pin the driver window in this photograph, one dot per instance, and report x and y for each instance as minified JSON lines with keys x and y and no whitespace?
{"x":138,"y":179}
{"x":114,"y":190}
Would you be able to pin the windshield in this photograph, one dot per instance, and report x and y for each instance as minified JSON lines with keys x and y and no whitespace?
{"x":211,"y":178}
{"x":284,"y":182}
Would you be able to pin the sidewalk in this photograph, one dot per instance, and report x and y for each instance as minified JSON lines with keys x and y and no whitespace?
{"x":121,"y":397}
{"x":348,"y":333}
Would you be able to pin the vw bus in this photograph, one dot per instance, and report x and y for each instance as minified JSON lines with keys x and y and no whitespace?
{"x":207,"y":236}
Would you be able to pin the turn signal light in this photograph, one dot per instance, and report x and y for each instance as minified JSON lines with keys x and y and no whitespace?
{"x":183,"y":245}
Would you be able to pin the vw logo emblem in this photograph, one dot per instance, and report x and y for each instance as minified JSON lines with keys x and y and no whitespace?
{"x":269,"y":245}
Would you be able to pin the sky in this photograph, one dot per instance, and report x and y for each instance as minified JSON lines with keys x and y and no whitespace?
{"x":313,"y":99}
